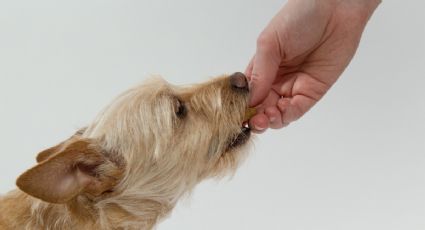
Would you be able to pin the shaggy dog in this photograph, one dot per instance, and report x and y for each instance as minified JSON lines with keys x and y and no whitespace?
{"x":129,"y":167}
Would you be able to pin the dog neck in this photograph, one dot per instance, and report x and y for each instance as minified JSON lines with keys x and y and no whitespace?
{"x":21,"y":211}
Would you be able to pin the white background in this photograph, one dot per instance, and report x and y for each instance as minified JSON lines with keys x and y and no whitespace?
{"x":355,"y":161}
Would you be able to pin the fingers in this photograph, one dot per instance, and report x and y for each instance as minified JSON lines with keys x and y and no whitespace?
{"x":259,"y":123}
{"x":270,"y":118}
{"x":282,"y":114}
{"x":275,"y":117}
{"x":292,"y":109}
{"x":264,"y":67}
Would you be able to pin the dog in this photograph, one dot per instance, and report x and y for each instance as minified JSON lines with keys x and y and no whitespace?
{"x":128,"y":168}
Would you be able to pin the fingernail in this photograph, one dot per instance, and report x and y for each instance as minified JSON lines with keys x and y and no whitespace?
{"x":272,"y":119}
{"x":259,"y":128}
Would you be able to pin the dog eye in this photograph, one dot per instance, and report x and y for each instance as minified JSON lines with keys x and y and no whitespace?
{"x":181,"y":110}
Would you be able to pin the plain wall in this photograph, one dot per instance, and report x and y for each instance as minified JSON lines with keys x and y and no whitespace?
{"x":355,"y":161}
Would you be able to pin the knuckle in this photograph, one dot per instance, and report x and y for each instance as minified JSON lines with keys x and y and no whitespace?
{"x":265,"y":41}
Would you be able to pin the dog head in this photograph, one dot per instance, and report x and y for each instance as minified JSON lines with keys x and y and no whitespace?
{"x":154,"y":142}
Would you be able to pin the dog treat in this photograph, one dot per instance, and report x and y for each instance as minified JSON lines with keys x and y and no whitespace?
{"x":250,"y":112}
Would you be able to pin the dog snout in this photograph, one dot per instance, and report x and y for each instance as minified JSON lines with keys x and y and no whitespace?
{"x":239,"y":82}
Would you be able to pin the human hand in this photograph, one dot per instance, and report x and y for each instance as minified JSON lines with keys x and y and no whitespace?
{"x":300,"y":55}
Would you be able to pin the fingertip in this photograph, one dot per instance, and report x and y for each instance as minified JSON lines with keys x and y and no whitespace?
{"x":283,"y":104}
{"x":258,"y":90}
{"x":275,"y":117}
{"x":254,"y":100}
{"x":261,"y":79}
{"x":259,"y":123}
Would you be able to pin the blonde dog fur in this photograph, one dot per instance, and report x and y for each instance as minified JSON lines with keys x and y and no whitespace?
{"x":130,"y":166}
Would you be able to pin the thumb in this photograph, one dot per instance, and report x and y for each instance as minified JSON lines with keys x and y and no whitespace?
{"x":264,"y":68}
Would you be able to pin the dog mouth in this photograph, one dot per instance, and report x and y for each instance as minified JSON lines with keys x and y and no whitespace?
{"x":240,"y":138}
{"x":245,"y":132}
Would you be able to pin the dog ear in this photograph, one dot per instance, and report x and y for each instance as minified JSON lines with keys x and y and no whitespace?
{"x":77,"y":167}
{"x":55,"y":149}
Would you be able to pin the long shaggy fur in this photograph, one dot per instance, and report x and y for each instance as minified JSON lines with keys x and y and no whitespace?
{"x":144,"y":154}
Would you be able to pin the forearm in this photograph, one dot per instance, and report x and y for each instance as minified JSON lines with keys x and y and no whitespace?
{"x":365,"y":6}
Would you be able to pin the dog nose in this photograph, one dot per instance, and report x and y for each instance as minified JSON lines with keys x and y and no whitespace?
{"x":238,"y":81}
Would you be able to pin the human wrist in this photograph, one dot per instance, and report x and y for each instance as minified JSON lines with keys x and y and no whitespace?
{"x":366,"y":7}
{"x":363,"y":6}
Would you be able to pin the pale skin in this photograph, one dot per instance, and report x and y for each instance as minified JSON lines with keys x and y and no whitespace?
{"x":300,"y":55}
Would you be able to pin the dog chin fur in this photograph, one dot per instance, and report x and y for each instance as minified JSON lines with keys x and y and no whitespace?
{"x":128,"y":168}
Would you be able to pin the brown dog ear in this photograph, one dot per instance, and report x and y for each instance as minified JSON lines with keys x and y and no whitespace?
{"x":78,"y":167}
{"x":44,"y":155}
